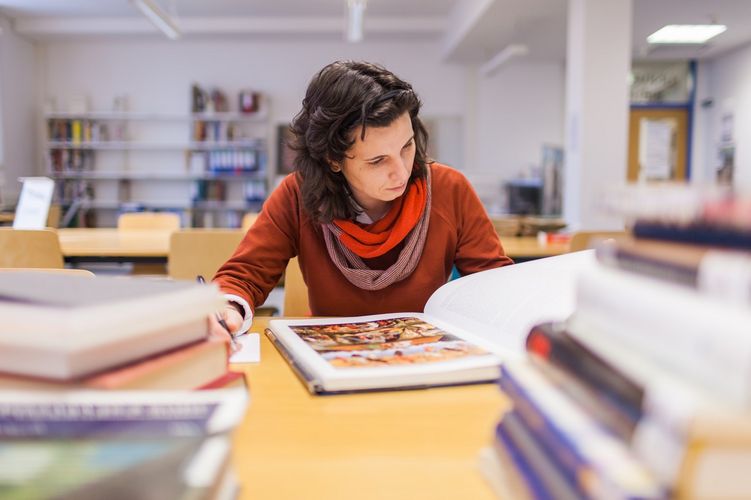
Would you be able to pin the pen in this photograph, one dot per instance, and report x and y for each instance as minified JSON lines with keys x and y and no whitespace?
{"x":219,"y":318}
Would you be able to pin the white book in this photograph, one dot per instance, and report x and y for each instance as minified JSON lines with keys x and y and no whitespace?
{"x":469,"y":327}
{"x":700,"y":338}
{"x":68,"y":326}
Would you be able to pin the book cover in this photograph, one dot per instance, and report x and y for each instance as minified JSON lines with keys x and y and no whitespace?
{"x":594,"y":460}
{"x":145,"y":469}
{"x":699,"y":337}
{"x":688,"y":437}
{"x":541,"y":472}
{"x":187,"y":367}
{"x":587,"y":378}
{"x":95,"y":468}
{"x":468,"y":326}
{"x":91,"y":414}
{"x":387,"y":351}
{"x":81,"y":326}
{"x":715,"y":271}
{"x":229,"y":380}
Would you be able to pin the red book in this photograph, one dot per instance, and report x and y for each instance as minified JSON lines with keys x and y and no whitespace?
{"x":188,"y":367}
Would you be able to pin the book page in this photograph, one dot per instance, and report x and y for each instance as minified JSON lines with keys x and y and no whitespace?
{"x":501,"y":305}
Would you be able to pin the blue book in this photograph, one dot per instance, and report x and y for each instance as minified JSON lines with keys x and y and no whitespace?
{"x":595,"y":461}
{"x":540,"y":472}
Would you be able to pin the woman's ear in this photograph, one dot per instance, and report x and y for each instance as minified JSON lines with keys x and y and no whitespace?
{"x":335,"y":167}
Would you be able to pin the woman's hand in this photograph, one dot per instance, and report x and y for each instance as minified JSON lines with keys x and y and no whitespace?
{"x":232,"y":318}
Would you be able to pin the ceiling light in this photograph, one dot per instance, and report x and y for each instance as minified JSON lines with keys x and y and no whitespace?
{"x":355,"y":12}
{"x":505,"y":55}
{"x":686,"y":33}
{"x":158,"y":18}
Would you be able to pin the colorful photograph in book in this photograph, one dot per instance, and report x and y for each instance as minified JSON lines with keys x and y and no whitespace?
{"x":395,"y":341}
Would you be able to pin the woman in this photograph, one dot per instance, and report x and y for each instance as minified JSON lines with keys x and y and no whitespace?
{"x":377,"y":226}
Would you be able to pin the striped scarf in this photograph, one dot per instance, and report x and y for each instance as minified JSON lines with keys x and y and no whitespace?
{"x":358,"y":273}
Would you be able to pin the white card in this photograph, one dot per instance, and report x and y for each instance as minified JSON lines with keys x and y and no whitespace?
{"x":34,"y":203}
{"x":250,"y":349}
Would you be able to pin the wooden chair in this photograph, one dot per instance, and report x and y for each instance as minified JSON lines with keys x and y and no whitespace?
{"x":148,"y":220}
{"x":248,"y":220}
{"x":200,"y":251}
{"x":295,"y":291}
{"x":78,"y":272}
{"x":144,"y":221}
{"x":26,"y":248}
{"x":583,"y":240}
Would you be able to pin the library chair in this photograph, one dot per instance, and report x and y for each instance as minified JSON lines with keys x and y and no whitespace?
{"x":582,"y":240}
{"x":295,"y":291}
{"x":248,"y":220}
{"x":30,"y":248}
{"x":47,"y":270}
{"x":200,"y":251}
{"x":145,"y":221}
{"x":148,"y":220}
{"x":54,"y":215}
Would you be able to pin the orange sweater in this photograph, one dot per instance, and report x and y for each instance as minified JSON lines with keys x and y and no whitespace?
{"x":460,"y":234}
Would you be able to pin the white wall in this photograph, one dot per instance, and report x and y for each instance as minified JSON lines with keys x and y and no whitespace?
{"x":728,"y":84}
{"x":517,"y":110}
{"x":19,"y":96}
{"x":156,"y":75}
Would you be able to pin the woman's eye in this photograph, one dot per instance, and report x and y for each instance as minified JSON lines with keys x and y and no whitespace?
{"x":376,"y":162}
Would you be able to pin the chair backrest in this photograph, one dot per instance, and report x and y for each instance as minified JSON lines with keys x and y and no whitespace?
{"x":295,"y":291}
{"x":583,"y":240}
{"x":30,"y":248}
{"x":197,"y":251}
{"x":148,"y":220}
{"x":248,"y":220}
{"x":78,"y":272}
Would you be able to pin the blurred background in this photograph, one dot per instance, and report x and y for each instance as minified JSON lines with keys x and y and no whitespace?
{"x":181,"y":105}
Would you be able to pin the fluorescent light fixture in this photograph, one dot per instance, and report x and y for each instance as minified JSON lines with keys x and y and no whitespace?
{"x":355,"y":13}
{"x":505,"y":55}
{"x":158,"y":18}
{"x":686,"y":33}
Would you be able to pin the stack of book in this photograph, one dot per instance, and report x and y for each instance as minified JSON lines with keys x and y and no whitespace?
{"x":63,"y":332}
{"x":121,"y":445}
{"x":96,"y":389}
{"x":645,"y":392}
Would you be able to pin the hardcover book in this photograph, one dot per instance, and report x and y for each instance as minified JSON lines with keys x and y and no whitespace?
{"x":468,"y":328}
{"x":187,"y":367}
{"x":68,"y":326}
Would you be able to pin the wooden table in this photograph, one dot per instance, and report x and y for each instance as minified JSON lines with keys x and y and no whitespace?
{"x":109,"y":244}
{"x":399,"y":444}
{"x":521,"y":248}
{"x":113,"y":245}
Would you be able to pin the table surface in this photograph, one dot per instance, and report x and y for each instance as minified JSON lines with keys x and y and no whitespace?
{"x":398,"y":444}
{"x":111,"y":242}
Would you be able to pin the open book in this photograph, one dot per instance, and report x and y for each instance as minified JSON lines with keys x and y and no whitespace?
{"x":468,"y":328}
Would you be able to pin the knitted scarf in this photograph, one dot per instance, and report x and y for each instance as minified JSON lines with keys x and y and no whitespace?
{"x":348,"y":243}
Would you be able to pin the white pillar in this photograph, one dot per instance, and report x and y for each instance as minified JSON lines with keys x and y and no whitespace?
{"x":597,"y":101}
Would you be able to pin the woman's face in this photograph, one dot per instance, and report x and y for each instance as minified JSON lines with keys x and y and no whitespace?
{"x":377,"y":168}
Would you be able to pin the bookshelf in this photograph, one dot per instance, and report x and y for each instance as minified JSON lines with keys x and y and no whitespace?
{"x":208,"y":167}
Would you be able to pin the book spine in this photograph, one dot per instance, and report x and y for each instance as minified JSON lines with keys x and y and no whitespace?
{"x":720,"y":273}
{"x":543,"y":475}
{"x":550,"y":343}
{"x":697,"y":233}
{"x":600,"y":464}
{"x":627,"y":260}
{"x":702,"y":339}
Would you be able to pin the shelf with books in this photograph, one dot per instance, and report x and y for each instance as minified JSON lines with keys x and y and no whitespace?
{"x":105,"y":162}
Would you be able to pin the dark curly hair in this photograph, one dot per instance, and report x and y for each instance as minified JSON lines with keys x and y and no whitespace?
{"x":342,"y":97}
